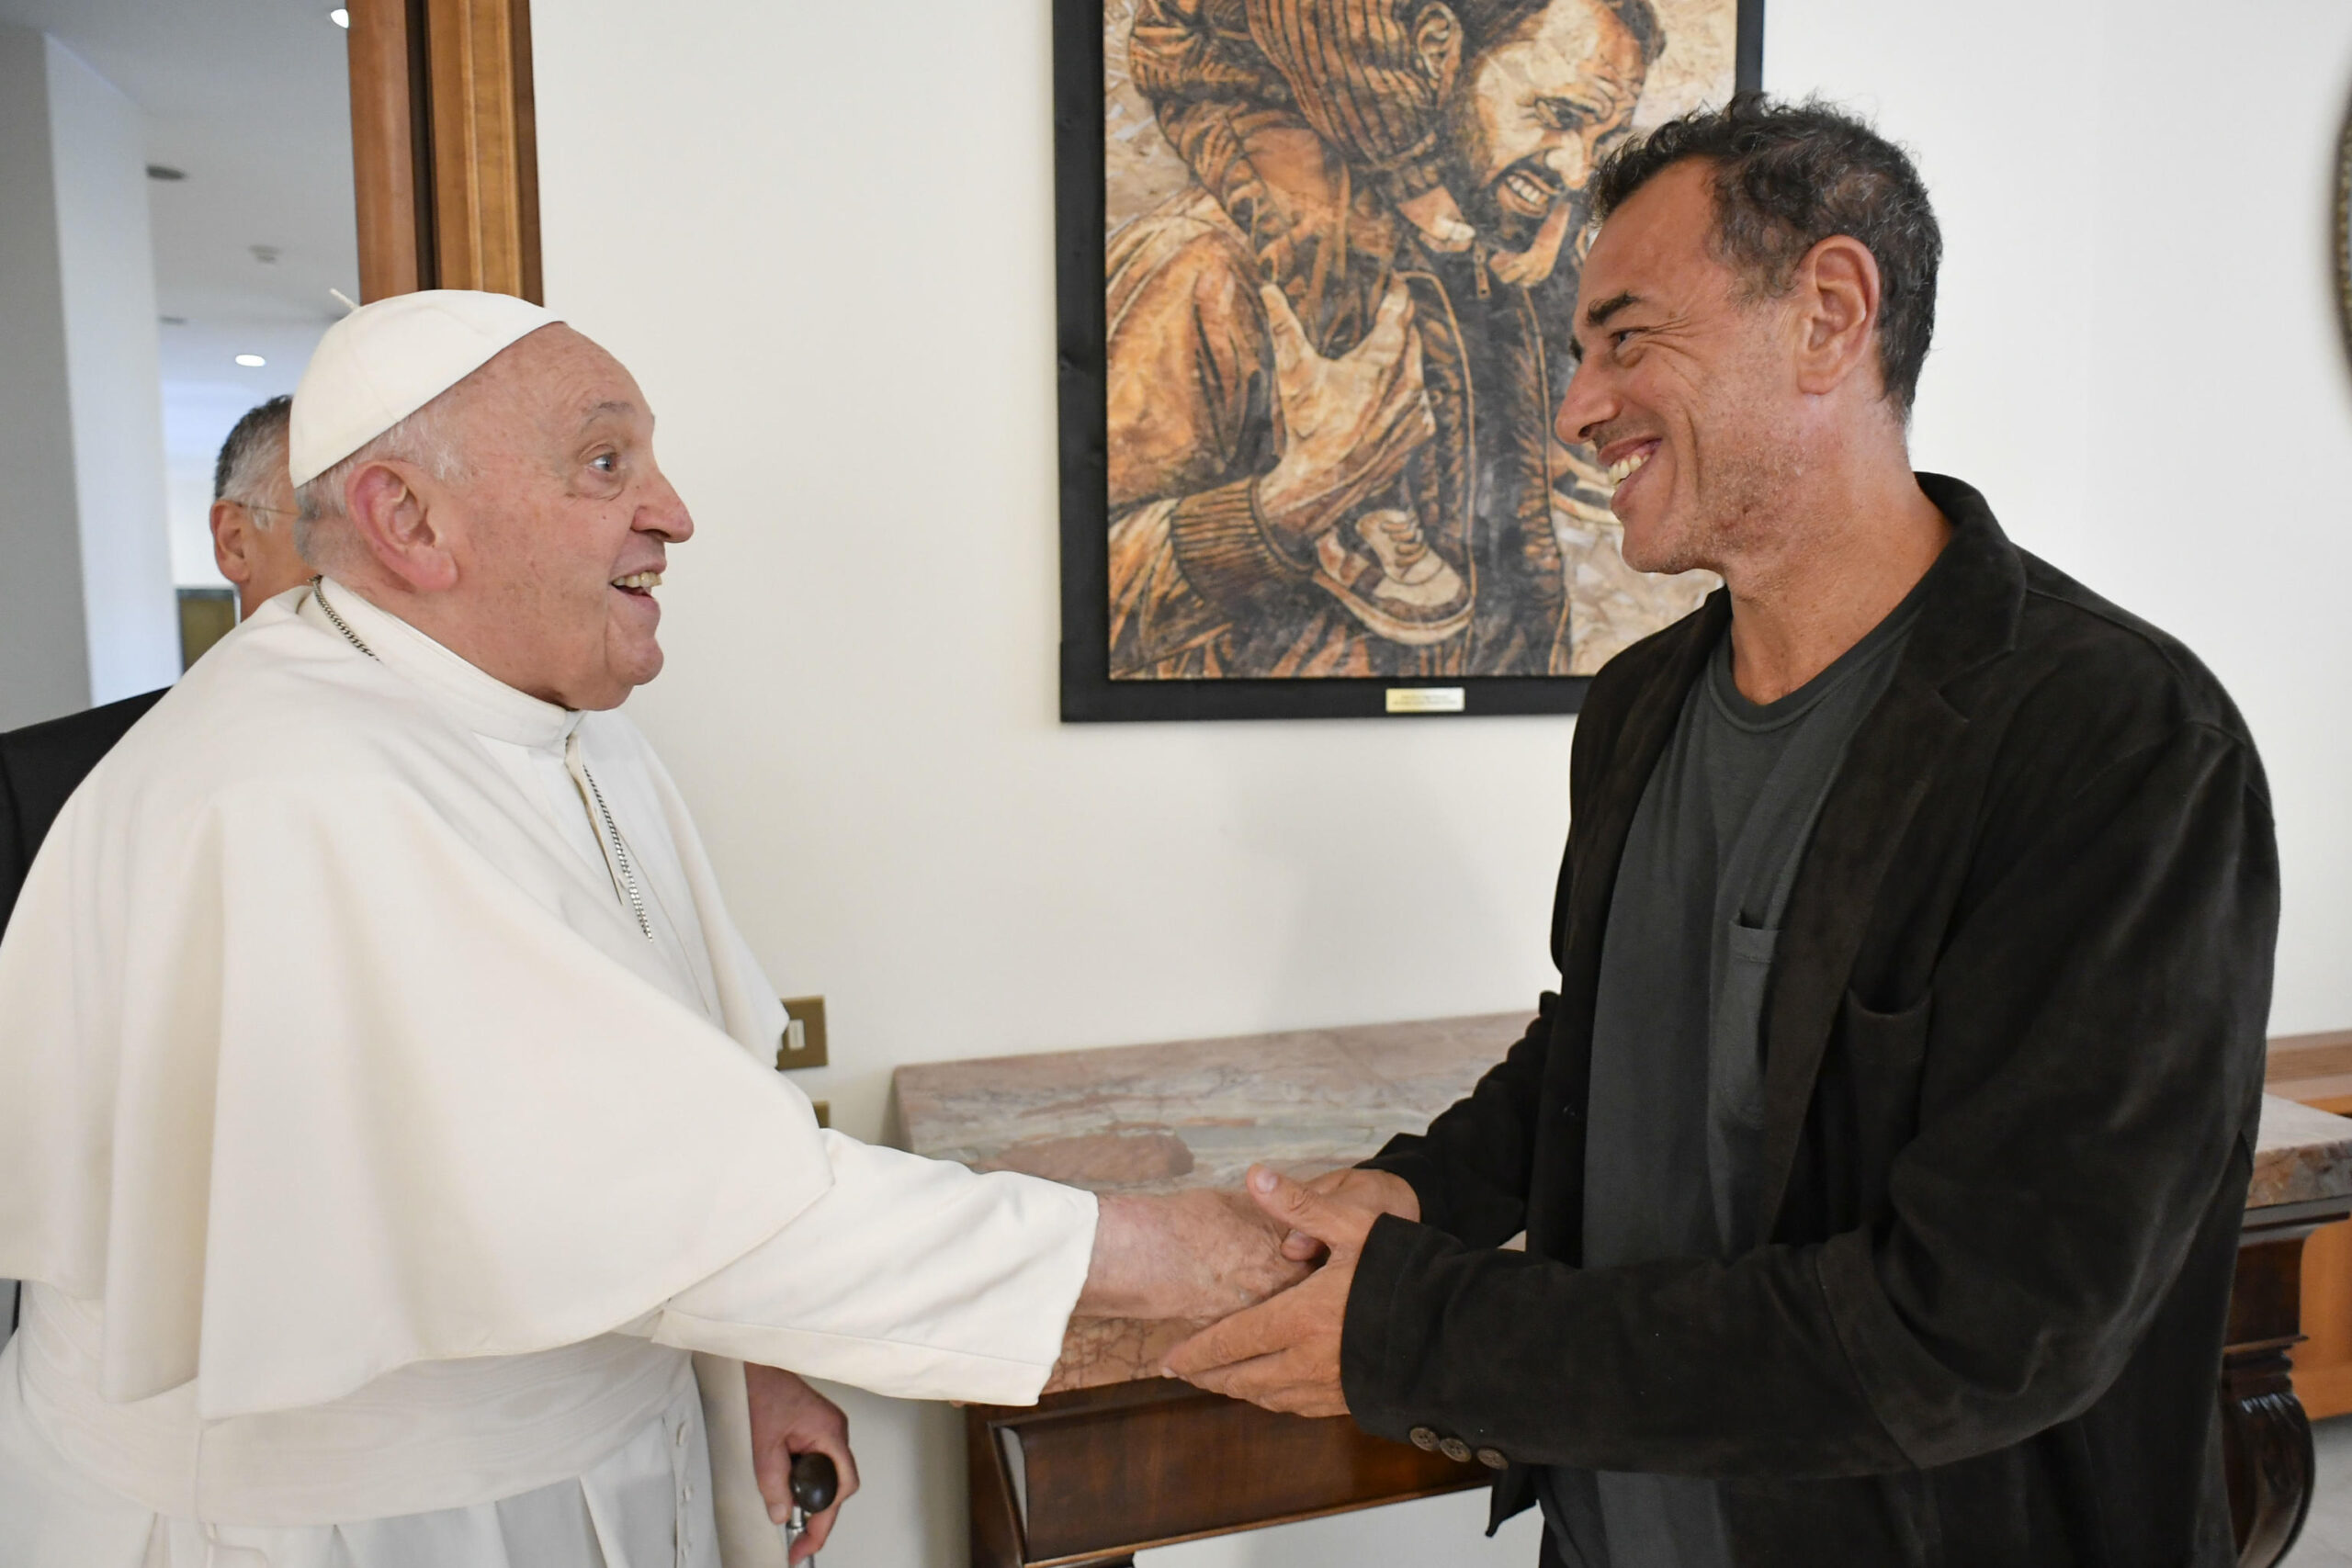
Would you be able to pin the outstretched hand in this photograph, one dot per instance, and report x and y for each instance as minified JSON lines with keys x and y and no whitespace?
{"x":1284,"y":1354}
{"x":1195,"y":1256}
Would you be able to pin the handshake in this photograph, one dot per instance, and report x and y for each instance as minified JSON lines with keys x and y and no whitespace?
{"x":1268,"y":1269}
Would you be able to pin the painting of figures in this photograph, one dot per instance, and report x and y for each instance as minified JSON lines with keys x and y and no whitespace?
{"x":1339,"y":245}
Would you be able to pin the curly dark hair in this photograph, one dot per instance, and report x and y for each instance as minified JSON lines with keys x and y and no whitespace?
{"x":1788,"y":176}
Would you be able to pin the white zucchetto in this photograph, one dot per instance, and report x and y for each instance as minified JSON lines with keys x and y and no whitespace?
{"x":388,"y":359}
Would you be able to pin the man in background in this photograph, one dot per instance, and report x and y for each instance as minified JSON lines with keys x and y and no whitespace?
{"x":253,"y":509}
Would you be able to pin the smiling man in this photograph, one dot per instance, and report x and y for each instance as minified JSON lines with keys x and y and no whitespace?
{"x":1882,"y":1153}
{"x":387,"y":1105}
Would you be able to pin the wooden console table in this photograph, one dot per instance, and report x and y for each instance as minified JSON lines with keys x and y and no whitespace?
{"x":1115,"y":1459}
{"x":2317,"y":1070}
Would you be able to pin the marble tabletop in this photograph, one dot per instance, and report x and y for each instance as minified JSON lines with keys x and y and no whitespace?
{"x":2300,"y":1154}
{"x":1199,"y":1112}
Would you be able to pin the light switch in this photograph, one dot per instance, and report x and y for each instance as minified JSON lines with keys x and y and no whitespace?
{"x":803,"y":1044}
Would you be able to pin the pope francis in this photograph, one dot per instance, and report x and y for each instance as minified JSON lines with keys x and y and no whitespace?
{"x":385,"y":1107}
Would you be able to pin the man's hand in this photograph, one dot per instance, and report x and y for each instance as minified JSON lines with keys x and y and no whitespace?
{"x":1376,"y":1193}
{"x":788,"y":1417}
{"x":1349,"y":424}
{"x":1284,"y":1355}
{"x":1195,"y":1255}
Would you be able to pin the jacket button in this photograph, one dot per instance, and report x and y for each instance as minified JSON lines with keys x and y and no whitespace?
{"x":1423,"y":1439}
{"x":1493,"y":1458}
{"x":1455,"y":1449}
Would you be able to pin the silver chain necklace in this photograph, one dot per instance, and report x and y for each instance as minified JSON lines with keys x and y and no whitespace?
{"x":620,"y":852}
{"x":319,"y":592}
{"x":612,"y":828}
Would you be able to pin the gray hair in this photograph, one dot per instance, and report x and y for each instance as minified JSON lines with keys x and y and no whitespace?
{"x":253,"y":454}
{"x":423,"y":438}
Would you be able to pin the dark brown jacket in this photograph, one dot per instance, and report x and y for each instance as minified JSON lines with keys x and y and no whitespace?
{"x":2014,"y":1054}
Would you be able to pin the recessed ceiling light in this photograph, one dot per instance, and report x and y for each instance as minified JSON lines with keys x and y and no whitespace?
{"x":251,"y":361}
{"x":339,"y":16}
{"x":165,"y":172}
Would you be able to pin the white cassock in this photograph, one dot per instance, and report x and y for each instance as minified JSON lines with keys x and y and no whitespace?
{"x":386,"y":1111}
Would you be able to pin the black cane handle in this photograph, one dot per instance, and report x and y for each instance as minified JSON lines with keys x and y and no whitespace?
{"x":814,"y":1482}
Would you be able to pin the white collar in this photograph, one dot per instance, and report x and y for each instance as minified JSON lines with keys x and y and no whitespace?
{"x":483,"y":704}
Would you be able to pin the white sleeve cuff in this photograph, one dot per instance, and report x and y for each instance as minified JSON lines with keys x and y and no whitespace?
{"x":914,"y":1278}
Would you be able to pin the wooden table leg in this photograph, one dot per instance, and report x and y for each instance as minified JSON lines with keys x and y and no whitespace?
{"x":2266,"y":1452}
{"x":994,"y":1518}
{"x":2265,"y":1437}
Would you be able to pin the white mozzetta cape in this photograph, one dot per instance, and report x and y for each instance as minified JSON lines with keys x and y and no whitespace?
{"x":324,"y":1053}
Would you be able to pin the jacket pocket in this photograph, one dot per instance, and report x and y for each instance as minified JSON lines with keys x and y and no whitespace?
{"x":1886,"y":1054}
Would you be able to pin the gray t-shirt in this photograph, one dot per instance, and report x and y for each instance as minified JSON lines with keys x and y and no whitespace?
{"x":1676,"y":1121}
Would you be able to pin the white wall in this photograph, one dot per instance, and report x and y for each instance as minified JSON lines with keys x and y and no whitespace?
{"x":821,"y":236}
{"x":44,"y":658}
{"x":108,"y":268}
{"x":77,"y":284}
{"x":2138,"y":360}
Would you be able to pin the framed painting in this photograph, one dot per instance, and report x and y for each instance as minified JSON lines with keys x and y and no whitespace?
{"x":1316,"y":264}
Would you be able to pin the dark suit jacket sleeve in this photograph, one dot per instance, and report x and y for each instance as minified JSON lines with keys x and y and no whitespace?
{"x":1472,"y":1170}
{"x":41,"y":767}
{"x":2092,"y":1048}
{"x":14,"y":860}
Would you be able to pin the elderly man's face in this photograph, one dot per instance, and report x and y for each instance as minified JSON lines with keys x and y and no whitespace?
{"x":1535,"y":109}
{"x":1683,"y":381}
{"x":562,"y":521}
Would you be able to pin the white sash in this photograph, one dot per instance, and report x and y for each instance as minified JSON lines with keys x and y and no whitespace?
{"x":433,"y":1435}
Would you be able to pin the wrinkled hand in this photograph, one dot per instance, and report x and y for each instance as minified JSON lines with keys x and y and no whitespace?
{"x":788,"y":1419}
{"x":1349,"y":424}
{"x":1284,"y":1354}
{"x":1195,"y":1255}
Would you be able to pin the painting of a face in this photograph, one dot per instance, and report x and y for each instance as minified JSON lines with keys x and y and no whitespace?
{"x":1535,"y":109}
{"x":1340,"y":242}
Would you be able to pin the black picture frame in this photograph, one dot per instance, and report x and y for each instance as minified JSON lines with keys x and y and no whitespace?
{"x":1089,"y":696}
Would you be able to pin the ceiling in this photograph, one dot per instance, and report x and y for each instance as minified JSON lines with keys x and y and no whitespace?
{"x":250,"y":99}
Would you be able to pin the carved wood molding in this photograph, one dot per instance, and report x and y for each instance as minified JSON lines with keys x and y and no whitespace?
{"x":2266,"y":1454}
{"x":444,"y":146}
{"x":1089,"y":1477}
